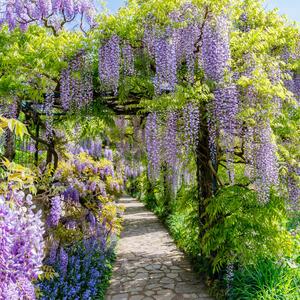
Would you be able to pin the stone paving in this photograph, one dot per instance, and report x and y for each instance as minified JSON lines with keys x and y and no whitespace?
{"x":149,"y":266}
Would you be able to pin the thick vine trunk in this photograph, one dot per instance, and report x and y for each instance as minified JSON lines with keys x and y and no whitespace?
{"x":9,"y":145}
{"x":10,"y":149}
{"x":166,"y":189}
{"x":206,"y":182}
{"x":52,"y":156}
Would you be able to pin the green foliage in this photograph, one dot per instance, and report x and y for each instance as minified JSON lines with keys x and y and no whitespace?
{"x":105,"y":279}
{"x":16,"y":177}
{"x":294,"y":221}
{"x":132,"y":188}
{"x":15,"y":126}
{"x":30,"y":62}
{"x":48,"y":273}
{"x":240,"y":230}
{"x":183,"y":221}
{"x":267,"y":280}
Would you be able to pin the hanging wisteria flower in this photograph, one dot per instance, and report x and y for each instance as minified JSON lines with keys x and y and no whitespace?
{"x":22,"y":250}
{"x":191,"y":117}
{"x":108,"y":154}
{"x":71,"y":194}
{"x":170,"y":140}
{"x":266,"y":166}
{"x":223,"y":111}
{"x":55,"y":211}
{"x":128,"y":60}
{"x":166,"y":67}
{"x":226,"y":108}
{"x":109,"y":64}
{"x":76,"y":82}
{"x":54,"y":13}
{"x":215,"y":49}
{"x":53,"y":252}
{"x":259,"y":148}
{"x":152,"y":145}
{"x":186,"y":40}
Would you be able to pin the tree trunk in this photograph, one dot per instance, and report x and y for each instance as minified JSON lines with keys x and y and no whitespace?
{"x":9,"y":145}
{"x":52,"y":155}
{"x":206,"y":181}
{"x":13,"y":112}
{"x":166,"y":189}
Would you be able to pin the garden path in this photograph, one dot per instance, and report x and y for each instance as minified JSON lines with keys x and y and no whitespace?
{"x":148,"y":265}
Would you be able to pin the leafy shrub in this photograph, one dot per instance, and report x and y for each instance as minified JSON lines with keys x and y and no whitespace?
{"x":183,"y":221}
{"x":266,"y":280}
{"x":82,"y":224}
{"x":147,"y":194}
{"x":240,"y":230}
{"x":132,"y":187}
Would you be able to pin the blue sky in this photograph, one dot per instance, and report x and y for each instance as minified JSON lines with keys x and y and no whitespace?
{"x":289,"y":7}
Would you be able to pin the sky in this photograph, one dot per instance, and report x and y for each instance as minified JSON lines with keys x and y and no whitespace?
{"x":291,"y":8}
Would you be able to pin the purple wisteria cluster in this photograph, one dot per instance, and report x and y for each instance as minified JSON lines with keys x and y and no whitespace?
{"x":173,"y":47}
{"x":166,"y":67}
{"x":76,"y":82}
{"x":265,"y":162}
{"x":132,"y":171}
{"x":258,"y":146}
{"x":293,"y":82}
{"x":109,"y":63}
{"x":153,"y":145}
{"x":10,"y":109}
{"x":226,"y":108}
{"x":222,"y":121}
{"x":55,"y":211}
{"x":22,"y":249}
{"x":261,"y":160}
{"x":52,"y":13}
{"x":215,"y":49}
{"x":191,"y":117}
{"x":186,"y":40}
{"x":128,"y":59}
{"x":108,"y":154}
{"x":91,"y":146}
{"x":186,"y":36}
{"x":170,"y":140}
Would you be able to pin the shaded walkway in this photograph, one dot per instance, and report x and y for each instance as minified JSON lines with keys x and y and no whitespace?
{"x":149,"y":266}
